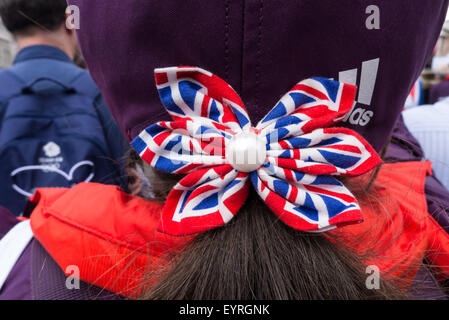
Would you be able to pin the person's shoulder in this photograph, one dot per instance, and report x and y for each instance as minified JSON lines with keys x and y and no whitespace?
{"x":84,"y":82}
{"x":3,"y":72}
{"x":442,"y":86}
{"x":4,"y":75}
{"x":427,"y":117}
{"x":7,"y":221}
{"x":10,"y":83}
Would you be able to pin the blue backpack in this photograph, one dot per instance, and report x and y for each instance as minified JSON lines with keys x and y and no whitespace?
{"x":51,"y":135}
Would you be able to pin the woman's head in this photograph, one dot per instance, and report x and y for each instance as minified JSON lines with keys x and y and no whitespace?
{"x":261,"y":48}
{"x":257,"y":256}
{"x":294,"y":182}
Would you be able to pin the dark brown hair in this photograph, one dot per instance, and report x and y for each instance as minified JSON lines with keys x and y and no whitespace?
{"x":256,"y":256}
{"x":21,"y":17}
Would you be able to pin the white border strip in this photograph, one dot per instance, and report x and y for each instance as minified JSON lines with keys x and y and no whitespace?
{"x":11,"y":248}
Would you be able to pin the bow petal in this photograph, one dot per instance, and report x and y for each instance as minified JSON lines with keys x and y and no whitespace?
{"x":203,"y":200}
{"x":313,"y":103}
{"x":296,"y":182}
{"x":329,"y":151}
{"x":189,"y":92}
{"x":207,"y":112}
{"x":182,"y":146}
{"x":306,"y":202}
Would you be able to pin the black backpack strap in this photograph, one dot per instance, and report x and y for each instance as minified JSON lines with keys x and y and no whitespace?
{"x":18,"y":86}
{"x":30,"y":89}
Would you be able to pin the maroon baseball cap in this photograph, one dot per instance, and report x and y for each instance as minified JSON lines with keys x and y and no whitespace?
{"x":261,"y":48}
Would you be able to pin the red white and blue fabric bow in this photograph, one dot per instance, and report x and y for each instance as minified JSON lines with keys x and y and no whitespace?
{"x":290,"y":157}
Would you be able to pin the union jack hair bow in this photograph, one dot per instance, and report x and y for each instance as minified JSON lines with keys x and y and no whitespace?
{"x":291,"y":157}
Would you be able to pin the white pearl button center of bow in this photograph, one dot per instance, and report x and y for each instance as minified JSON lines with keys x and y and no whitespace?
{"x":246,"y":152}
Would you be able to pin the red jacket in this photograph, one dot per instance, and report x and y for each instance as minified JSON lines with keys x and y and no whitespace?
{"x":112,"y":237}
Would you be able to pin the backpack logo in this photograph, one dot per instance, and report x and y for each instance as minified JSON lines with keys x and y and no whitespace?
{"x":51,"y":150}
{"x":53,"y":171}
{"x":52,"y":155}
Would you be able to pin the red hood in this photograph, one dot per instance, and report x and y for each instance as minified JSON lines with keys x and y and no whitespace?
{"x":112,"y":237}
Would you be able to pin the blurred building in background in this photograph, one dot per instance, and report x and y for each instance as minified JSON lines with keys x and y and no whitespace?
{"x":7,"y":47}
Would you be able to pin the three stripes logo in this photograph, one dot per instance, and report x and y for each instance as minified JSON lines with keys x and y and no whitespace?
{"x":360,"y":115}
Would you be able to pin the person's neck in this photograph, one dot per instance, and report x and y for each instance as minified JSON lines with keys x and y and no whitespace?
{"x":46,"y":39}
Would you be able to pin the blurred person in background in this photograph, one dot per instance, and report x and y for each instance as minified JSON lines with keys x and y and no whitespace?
{"x":55,"y":130}
{"x":429,"y":124}
{"x":439,"y":91}
{"x":415,"y":98}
